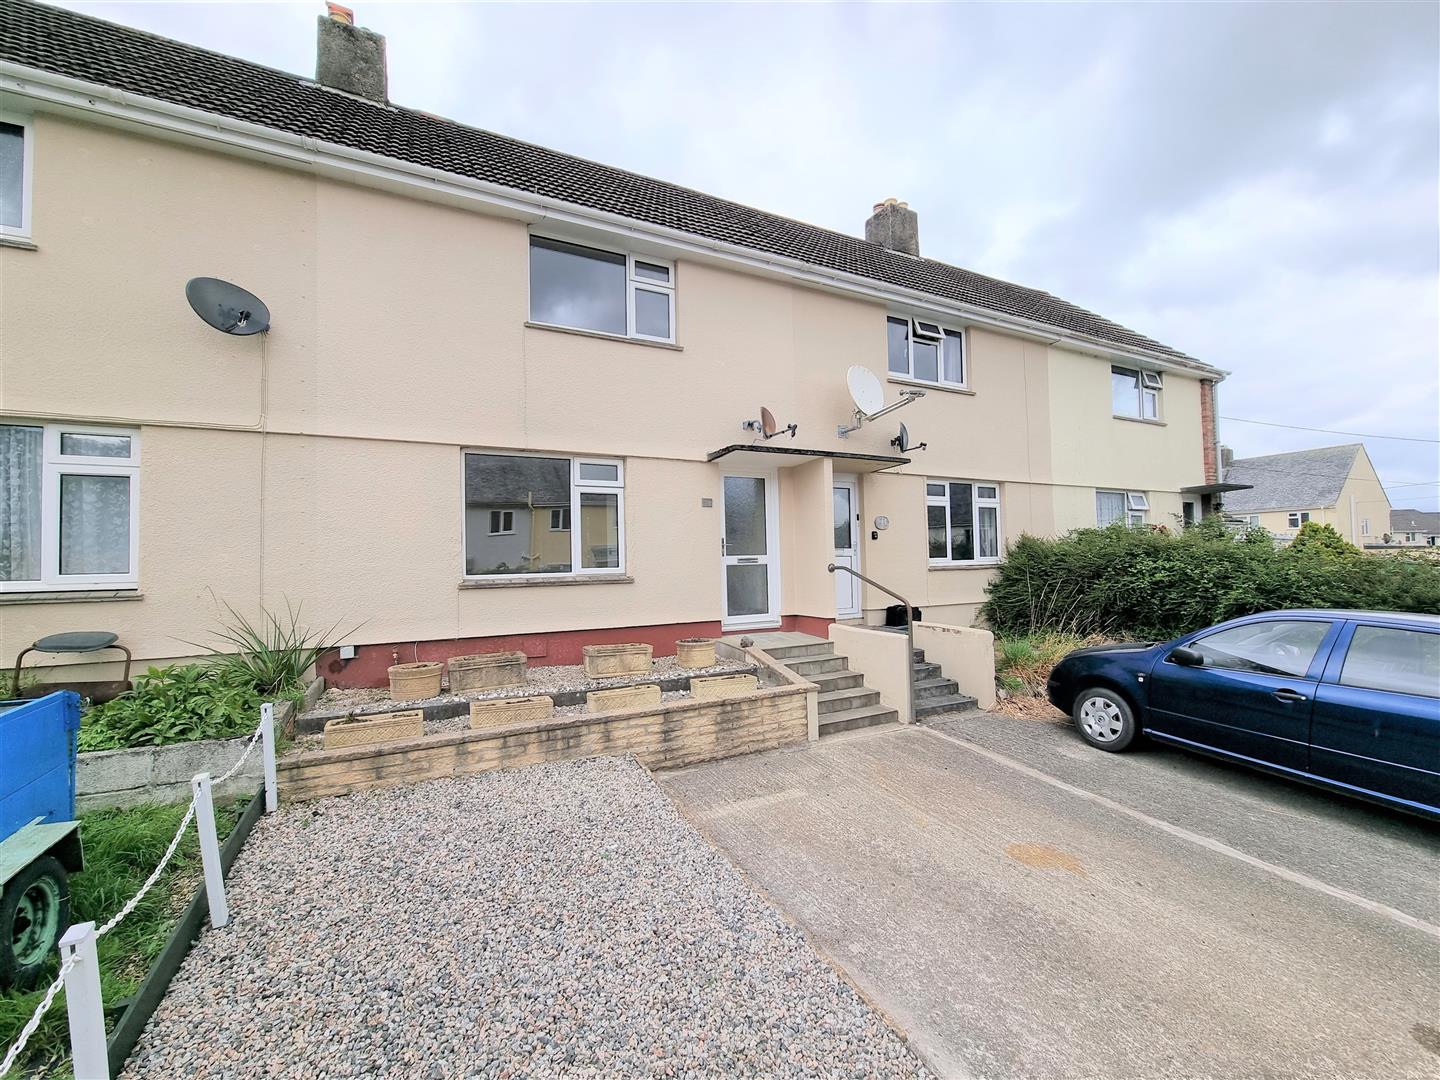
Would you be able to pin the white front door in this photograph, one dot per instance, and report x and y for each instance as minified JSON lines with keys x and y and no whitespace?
{"x":847,"y":547}
{"x":750,"y":551}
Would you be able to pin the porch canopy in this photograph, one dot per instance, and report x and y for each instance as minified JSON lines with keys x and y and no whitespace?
{"x":753,"y":455}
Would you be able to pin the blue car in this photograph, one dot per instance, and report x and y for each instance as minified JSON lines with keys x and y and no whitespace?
{"x":1346,"y":700}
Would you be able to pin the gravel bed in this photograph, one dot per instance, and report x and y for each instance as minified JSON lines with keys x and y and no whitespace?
{"x":538,"y":680}
{"x":561,"y":920}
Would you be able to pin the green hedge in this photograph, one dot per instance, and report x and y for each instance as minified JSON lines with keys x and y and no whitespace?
{"x":1157,"y":585}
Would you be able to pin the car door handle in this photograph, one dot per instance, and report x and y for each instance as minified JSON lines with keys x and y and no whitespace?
{"x":1288,"y":695}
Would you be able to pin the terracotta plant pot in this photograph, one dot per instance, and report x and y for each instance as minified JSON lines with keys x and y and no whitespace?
{"x":607,"y":661}
{"x":695,"y":652}
{"x":410,"y":681}
{"x":486,"y":671}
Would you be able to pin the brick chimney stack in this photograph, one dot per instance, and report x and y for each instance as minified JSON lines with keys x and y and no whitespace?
{"x":895,"y":226}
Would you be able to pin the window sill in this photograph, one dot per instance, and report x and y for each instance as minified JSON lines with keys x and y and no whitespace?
{"x":538,"y":580}
{"x":604,"y":336}
{"x":987,"y":564}
{"x":1140,"y":420}
{"x":69,"y":596}
{"x":946,"y":387}
{"x":20,"y":242}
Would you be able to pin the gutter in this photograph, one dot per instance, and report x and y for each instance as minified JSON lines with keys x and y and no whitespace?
{"x":124,"y":107}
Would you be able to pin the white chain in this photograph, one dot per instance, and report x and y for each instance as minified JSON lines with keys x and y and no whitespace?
{"x":45,"y":1003}
{"x":235,"y":768}
{"x":154,"y":875}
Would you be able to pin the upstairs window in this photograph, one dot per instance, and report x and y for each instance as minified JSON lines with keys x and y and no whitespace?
{"x":926,"y":351}
{"x":1297,"y":518}
{"x":963,"y":520}
{"x":584,"y":288}
{"x":16,"y":151}
{"x":520,"y":513}
{"x":1135,"y":393}
{"x":69,"y":501}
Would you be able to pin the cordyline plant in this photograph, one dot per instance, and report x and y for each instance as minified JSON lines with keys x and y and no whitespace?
{"x":274,"y":653}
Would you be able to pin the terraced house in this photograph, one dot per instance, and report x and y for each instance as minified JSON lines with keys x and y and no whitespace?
{"x":507,"y":397}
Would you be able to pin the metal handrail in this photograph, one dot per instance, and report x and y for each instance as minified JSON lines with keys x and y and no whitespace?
{"x":909,"y":631}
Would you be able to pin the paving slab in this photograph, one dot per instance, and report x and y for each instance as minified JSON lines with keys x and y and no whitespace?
{"x":1018,"y":924}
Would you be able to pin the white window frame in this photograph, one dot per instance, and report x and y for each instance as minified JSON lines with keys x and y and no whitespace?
{"x":1364,"y":526}
{"x":578,"y":487}
{"x":1137,"y":506}
{"x":976,"y":502}
{"x":1295,"y":518}
{"x":53,"y":466}
{"x":633,"y":282}
{"x":1148,"y":387}
{"x":562,"y":513}
{"x":500,"y":515}
{"x":913,"y":323}
{"x":27,"y":177}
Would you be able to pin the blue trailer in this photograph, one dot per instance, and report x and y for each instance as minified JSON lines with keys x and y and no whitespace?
{"x":39,"y":836}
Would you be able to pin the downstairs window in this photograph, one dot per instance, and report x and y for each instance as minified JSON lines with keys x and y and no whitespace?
{"x":963,"y":520}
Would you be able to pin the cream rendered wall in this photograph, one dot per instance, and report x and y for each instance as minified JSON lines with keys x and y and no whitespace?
{"x":399,"y":337}
{"x":1362,"y":497}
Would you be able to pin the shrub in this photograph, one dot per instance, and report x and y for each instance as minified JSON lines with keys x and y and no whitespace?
{"x":173,"y":705}
{"x":273,"y":655}
{"x":1139,"y":583}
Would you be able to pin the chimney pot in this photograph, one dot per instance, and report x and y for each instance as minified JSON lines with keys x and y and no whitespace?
{"x":895,"y":226}
{"x":349,"y":57}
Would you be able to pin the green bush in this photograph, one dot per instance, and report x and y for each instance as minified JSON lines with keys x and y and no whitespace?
{"x":1140,"y":583}
{"x":273,"y":654}
{"x":173,"y":705}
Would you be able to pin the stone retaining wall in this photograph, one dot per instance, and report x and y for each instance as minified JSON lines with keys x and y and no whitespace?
{"x":162,"y":774}
{"x":677,"y":733}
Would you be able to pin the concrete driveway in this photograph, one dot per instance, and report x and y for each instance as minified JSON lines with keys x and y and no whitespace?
{"x":1025,"y":906}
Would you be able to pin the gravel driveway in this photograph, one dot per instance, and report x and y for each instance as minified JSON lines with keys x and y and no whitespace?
{"x":560,"y":920}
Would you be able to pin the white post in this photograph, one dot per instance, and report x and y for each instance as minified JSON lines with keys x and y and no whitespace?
{"x":267,"y":750}
{"x":210,"y":850}
{"x":88,"y":1055}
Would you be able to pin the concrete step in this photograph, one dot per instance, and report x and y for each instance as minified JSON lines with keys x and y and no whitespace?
{"x":814,"y":665}
{"x":933,"y":688}
{"x":951,"y":703}
{"x":919,"y":655}
{"x":790,"y":652}
{"x":840,"y":700}
{"x":927,"y":671}
{"x":849,"y":719}
{"x":835,"y":680}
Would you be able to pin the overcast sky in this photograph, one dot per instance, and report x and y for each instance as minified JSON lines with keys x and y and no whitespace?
{"x":1255,"y":184}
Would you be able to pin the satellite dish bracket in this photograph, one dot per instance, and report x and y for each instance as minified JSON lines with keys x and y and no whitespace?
{"x":906,"y":397}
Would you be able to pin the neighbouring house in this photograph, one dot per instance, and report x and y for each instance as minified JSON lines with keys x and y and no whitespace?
{"x":509,"y":398}
{"x":1332,"y":485}
{"x":1415,"y":528}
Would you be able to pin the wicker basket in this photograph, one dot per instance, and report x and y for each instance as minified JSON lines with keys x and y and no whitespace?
{"x":377,"y":728}
{"x":410,"y":681}
{"x":510,"y":710}
{"x":605,"y":661}
{"x":695,"y":652}
{"x":623,"y":697}
{"x":723,"y":686}
{"x":486,"y":671}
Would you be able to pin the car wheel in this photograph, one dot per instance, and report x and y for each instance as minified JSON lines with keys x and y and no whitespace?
{"x":1105,"y":719}
{"x":34,"y":912}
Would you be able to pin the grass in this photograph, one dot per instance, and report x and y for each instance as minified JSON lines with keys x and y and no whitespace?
{"x":121,"y":849}
{"x":1022,"y":664}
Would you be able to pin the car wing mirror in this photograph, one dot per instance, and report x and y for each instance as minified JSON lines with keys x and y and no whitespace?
{"x":1186,"y":657}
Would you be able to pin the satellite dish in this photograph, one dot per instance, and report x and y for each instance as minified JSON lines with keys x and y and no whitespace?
{"x":767,"y":422}
{"x":228,"y":308}
{"x":902,"y":441}
{"x":766,"y":427}
{"x":865,"y":390}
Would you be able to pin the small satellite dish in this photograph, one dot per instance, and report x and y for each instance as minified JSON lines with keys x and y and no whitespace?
{"x":228,"y":308}
{"x":865,"y":390}
{"x":902,"y":441}
{"x":766,"y":427}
